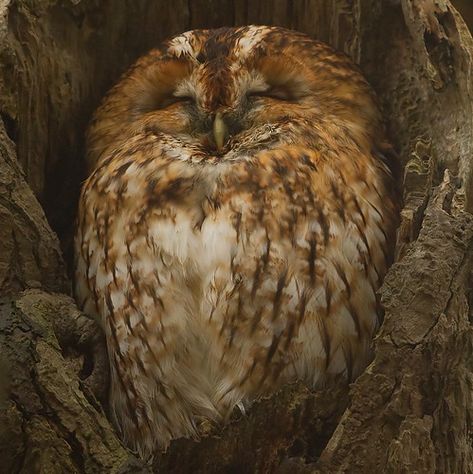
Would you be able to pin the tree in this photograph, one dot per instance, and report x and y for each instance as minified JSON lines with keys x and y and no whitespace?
{"x":411,"y":411}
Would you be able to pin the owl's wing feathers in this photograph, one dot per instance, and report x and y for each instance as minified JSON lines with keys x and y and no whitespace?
{"x":137,"y":267}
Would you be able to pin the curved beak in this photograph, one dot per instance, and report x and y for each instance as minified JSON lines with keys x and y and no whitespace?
{"x":220,"y":131}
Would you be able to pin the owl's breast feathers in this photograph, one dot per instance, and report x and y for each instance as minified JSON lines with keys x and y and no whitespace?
{"x":271,"y":264}
{"x":217,"y":277}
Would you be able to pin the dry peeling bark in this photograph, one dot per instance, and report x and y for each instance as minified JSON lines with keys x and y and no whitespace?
{"x":411,"y":411}
{"x":51,"y":422}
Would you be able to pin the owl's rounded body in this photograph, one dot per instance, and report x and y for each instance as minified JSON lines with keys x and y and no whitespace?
{"x":236,"y":226}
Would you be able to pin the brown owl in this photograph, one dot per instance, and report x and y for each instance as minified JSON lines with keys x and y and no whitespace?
{"x":236,"y":225}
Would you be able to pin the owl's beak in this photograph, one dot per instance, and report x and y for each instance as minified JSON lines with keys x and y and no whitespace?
{"x":220,"y":131}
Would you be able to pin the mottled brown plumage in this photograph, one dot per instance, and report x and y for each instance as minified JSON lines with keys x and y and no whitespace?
{"x":237,"y":222}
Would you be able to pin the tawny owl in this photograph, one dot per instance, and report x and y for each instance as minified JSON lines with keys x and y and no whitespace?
{"x":237,"y":222}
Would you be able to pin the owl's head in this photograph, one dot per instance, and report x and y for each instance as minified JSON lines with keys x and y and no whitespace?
{"x":223,"y":94}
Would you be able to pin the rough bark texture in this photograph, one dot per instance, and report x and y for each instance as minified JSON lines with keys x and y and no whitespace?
{"x":51,"y":422}
{"x":30,"y":253}
{"x":411,"y":411}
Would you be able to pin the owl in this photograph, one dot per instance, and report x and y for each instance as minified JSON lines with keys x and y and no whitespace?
{"x":235,"y":227}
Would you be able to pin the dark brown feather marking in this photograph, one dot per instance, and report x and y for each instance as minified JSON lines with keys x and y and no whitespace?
{"x":278,"y":295}
{"x":272,"y":349}
{"x":324,"y":336}
{"x":312,"y":258}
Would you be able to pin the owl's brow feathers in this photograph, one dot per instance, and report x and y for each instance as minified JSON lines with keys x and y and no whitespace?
{"x":158,"y":84}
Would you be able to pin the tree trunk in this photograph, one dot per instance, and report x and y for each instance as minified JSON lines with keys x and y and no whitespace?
{"x":412,"y":409}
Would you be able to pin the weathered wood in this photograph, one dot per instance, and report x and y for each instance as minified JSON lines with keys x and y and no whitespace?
{"x":411,"y":410}
{"x":294,"y":422}
{"x":29,"y":250}
{"x":50,"y":421}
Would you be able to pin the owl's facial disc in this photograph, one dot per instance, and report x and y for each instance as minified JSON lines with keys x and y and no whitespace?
{"x":214,"y":100}
{"x":230,"y":92}
{"x":208,"y":102}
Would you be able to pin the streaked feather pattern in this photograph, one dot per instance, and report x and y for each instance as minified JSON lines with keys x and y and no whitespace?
{"x":219,"y":274}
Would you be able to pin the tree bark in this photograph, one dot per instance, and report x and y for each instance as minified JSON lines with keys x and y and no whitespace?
{"x":412,"y":409}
